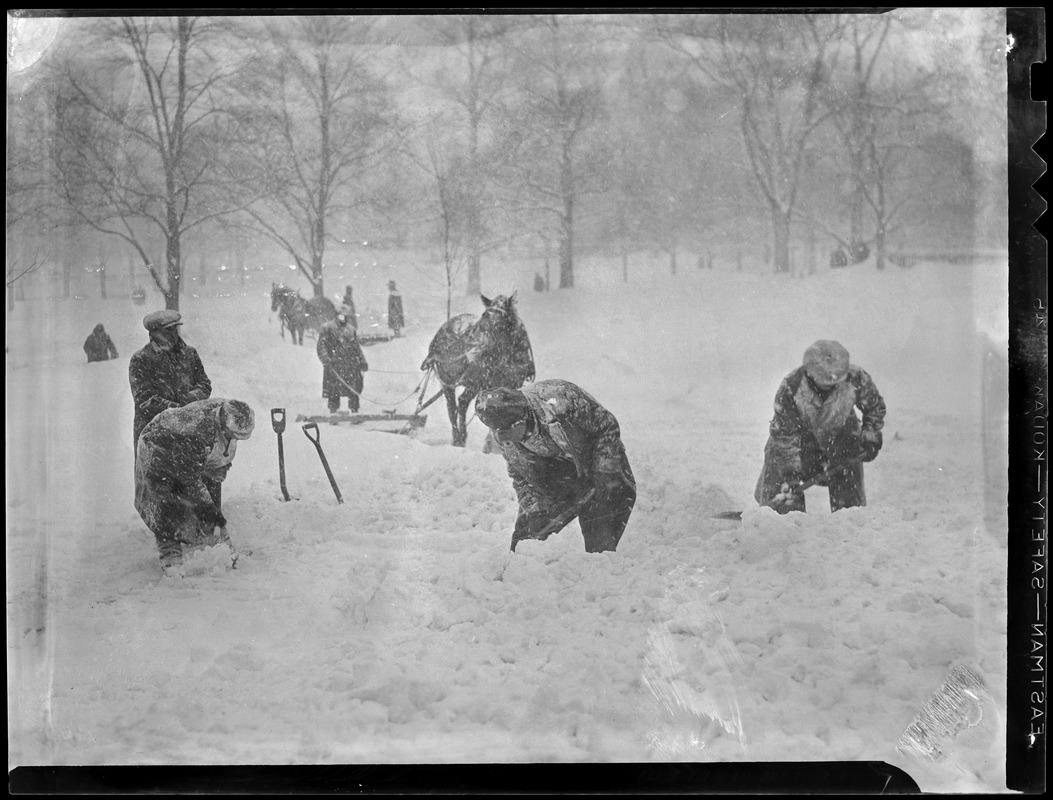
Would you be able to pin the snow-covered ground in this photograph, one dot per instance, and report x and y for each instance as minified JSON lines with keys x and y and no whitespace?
{"x":397,"y":627}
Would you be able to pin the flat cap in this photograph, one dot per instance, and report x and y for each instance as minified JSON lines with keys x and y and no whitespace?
{"x":156,"y":320}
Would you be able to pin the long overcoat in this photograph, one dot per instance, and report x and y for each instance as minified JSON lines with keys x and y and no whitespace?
{"x":813,"y":429}
{"x":342,"y":360}
{"x":574,"y":445}
{"x":163,"y":379}
{"x":181,"y":451}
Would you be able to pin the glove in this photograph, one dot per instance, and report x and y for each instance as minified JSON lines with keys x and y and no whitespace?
{"x":213,"y":516}
{"x":869,"y":446}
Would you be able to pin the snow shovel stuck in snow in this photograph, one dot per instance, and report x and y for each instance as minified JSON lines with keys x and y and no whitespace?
{"x":316,"y":440}
{"x":278,"y":423}
{"x":800,"y":486}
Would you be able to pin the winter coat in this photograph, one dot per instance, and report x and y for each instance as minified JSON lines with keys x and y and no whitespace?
{"x":99,"y":346}
{"x":163,"y":379}
{"x":181,"y":452}
{"x":342,"y":359}
{"x":395,"y":318}
{"x":574,"y":445}
{"x":813,"y":429}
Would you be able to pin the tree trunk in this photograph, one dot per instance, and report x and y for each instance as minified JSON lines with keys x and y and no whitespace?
{"x":566,"y":231}
{"x":175,"y":276}
{"x":474,"y":273}
{"x":566,"y":258}
{"x":316,"y":275}
{"x":879,"y":247}
{"x":102,"y":279}
{"x":781,"y":240}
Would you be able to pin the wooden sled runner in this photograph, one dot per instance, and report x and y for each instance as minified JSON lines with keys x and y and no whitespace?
{"x":387,"y":422}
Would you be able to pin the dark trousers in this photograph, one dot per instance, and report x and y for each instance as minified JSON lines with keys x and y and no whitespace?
{"x":845,"y":486}
{"x":602,"y":519}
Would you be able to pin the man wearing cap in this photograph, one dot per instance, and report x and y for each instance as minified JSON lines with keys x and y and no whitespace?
{"x":560,"y":445}
{"x":182,"y":458}
{"x":166,"y":373}
{"x":815,"y":433}
{"x":343,"y":363}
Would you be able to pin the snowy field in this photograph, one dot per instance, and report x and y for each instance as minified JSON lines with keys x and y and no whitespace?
{"x":397,"y":627}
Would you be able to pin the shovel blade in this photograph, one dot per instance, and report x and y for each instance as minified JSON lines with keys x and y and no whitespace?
{"x":728,"y":515}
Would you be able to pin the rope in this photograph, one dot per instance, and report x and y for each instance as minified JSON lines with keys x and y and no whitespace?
{"x":374,"y":402}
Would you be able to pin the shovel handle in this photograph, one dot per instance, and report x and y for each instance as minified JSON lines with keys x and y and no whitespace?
{"x":278,"y":419}
{"x":313,"y":426}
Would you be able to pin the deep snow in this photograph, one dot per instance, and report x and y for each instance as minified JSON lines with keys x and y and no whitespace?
{"x":397,"y":627}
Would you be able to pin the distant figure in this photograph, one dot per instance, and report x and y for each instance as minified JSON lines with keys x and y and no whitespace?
{"x":182,"y":459}
{"x":815,"y":433}
{"x":839,"y":258}
{"x":539,"y":282}
{"x":99,"y":346}
{"x":139,"y":296}
{"x":348,"y":308}
{"x":166,"y":373}
{"x":560,"y":444}
{"x":343,"y":363}
{"x":396,"y":321}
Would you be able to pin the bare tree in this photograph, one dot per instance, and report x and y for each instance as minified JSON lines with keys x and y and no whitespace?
{"x":320,"y":123}
{"x":559,"y":77}
{"x":450,"y":200}
{"x":136,"y":150}
{"x":776,"y":66}
{"x":473,"y":78}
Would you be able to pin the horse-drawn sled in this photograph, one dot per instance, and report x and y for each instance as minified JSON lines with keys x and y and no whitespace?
{"x":387,"y":421}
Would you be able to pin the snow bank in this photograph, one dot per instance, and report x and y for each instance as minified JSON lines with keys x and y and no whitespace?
{"x":397,"y":628}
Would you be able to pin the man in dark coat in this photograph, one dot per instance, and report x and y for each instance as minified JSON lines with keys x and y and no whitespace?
{"x":396,"y":320}
{"x":183,"y":454}
{"x":166,"y":373}
{"x":99,"y":346}
{"x":343,"y":363}
{"x":815,"y":431}
{"x":560,"y":445}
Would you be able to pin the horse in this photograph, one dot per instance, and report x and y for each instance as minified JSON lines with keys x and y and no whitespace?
{"x":292,"y":311}
{"x":476,"y":354}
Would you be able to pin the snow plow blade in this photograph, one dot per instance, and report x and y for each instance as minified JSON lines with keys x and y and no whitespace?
{"x":387,"y":423}
{"x":366,"y":339}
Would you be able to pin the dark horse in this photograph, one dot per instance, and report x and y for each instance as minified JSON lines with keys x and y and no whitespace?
{"x":298,"y":314}
{"x":478,"y":354}
{"x":292,"y":311}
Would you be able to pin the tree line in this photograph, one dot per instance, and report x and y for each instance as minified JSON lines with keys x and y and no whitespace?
{"x":467,"y":133}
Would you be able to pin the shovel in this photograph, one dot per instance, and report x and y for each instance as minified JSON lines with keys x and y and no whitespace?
{"x":560,"y":521}
{"x":316,"y":440}
{"x":278,"y":423}
{"x":800,"y":486}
